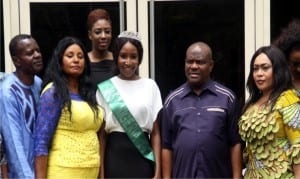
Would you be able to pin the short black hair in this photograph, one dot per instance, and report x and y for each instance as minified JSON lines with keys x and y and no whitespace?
{"x":14,"y":43}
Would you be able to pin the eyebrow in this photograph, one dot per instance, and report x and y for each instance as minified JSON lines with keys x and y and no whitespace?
{"x":262,"y":64}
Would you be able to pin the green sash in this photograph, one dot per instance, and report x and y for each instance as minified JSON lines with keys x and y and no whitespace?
{"x":125,"y":118}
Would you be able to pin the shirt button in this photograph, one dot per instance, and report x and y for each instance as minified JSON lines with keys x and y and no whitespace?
{"x":198,"y":114}
{"x":198,"y":130}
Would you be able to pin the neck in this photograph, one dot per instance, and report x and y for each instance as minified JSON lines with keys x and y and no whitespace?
{"x":25,"y":78}
{"x":296,"y":83}
{"x":73,"y":86}
{"x":97,"y":56}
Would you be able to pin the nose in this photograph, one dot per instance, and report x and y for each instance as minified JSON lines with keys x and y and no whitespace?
{"x":37,"y":54}
{"x":127,"y":61}
{"x":102,"y":34}
{"x":194,"y":65}
{"x":75,"y":59}
{"x":259,"y":72}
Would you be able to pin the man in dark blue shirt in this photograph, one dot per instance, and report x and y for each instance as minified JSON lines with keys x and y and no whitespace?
{"x":200,"y":136}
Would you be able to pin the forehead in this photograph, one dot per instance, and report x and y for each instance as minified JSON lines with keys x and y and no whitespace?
{"x":73,"y":47}
{"x":102,"y":23}
{"x":196,"y":52}
{"x":26,"y":43}
{"x":129,"y":46}
{"x":262,"y":59}
{"x":295,"y":55}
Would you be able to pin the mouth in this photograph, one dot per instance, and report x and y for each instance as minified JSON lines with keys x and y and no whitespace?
{"x":103,"y":43}
{"x":259,"y":82}
{"x":77,"y":68}
{"x":194,"y":75}
{"x":38,"y":63}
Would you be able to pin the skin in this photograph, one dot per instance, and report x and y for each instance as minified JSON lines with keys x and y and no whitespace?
{"x":128,"y":62}
{"x":100,"y":35}
{"x":263,"y":77}
{"x":73,"y":67}
{"x":294,"y":62}
{"x":198,"y":66}
{"x":28,"y":60}
{"x":4,"y":171}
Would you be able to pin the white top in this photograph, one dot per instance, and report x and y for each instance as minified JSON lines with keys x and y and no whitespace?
{"x":142,"y":98}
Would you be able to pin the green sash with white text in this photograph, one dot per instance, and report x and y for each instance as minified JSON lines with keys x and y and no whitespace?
{"x":125,"y":118}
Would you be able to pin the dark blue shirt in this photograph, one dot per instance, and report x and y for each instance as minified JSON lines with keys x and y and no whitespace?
{"x":200,"y":130}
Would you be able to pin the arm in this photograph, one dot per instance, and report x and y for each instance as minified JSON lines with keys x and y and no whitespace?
{"x":166,"y":163}
{"x":236,"y":160}
{"x":102,"y":141}
{"x":296,"y":168}
{"x":155,"y":142}
{"x":49,"y":111}
{"x":13,"y":130}
{"x":41,"y":164}
{"x":4,"y":171}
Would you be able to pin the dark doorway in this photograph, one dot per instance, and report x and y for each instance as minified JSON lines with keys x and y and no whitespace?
{"x":219,"y":23}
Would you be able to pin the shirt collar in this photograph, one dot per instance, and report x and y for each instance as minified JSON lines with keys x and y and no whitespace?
{"x":187,"y":90}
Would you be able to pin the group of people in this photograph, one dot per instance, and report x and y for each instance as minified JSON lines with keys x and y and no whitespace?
{"x":93,"y":116}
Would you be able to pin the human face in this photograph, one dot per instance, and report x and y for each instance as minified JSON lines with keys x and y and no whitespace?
{"x":29,"y":57}
{"x":263,"y":73}
{"x":73,"y":61}
{"x":128,"y":62}
{"x":294,"y":62}
{"x":198,"y":66}
{"x":101,"y":34}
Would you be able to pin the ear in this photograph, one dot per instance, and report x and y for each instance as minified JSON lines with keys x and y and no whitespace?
{"x":16,"y":61}
{"x":90,"y":35}
{"x":211,"y":64}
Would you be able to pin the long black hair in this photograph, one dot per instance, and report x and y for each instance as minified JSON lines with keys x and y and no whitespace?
{"x":54,"y":73}
{"x":282,"y":79}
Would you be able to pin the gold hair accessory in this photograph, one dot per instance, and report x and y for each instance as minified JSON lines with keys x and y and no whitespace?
{"x":129,"y":34}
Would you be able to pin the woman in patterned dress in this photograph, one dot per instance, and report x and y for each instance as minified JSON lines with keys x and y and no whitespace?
{"x":270,"y":123}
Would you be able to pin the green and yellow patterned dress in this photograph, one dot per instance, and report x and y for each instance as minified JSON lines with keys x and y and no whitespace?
{"x":272,"y":137}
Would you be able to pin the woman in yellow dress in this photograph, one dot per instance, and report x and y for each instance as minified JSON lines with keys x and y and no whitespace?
{"x":69,"y":119}
{"x":270,"y":123}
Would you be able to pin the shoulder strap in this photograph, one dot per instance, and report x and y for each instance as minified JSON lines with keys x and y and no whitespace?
{"x":125,"y":118}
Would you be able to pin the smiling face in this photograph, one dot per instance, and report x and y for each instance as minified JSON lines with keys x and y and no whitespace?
{"x":263,"y":73}
{"x":73,"y":61}
{"x":198,"y":65}
{"x":28,"y":57}
{"x":128,"y":62}
{"x":101,"y":34}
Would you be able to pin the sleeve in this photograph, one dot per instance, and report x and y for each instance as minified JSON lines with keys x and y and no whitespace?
{"x":166,"y":127}
{"x":288,"y":106}
{"x":234,"y":111}
{"x":49,"y":111}
{"x":12,"y":132}
{"x":157,"y":103}
{"x":291,"y":116}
